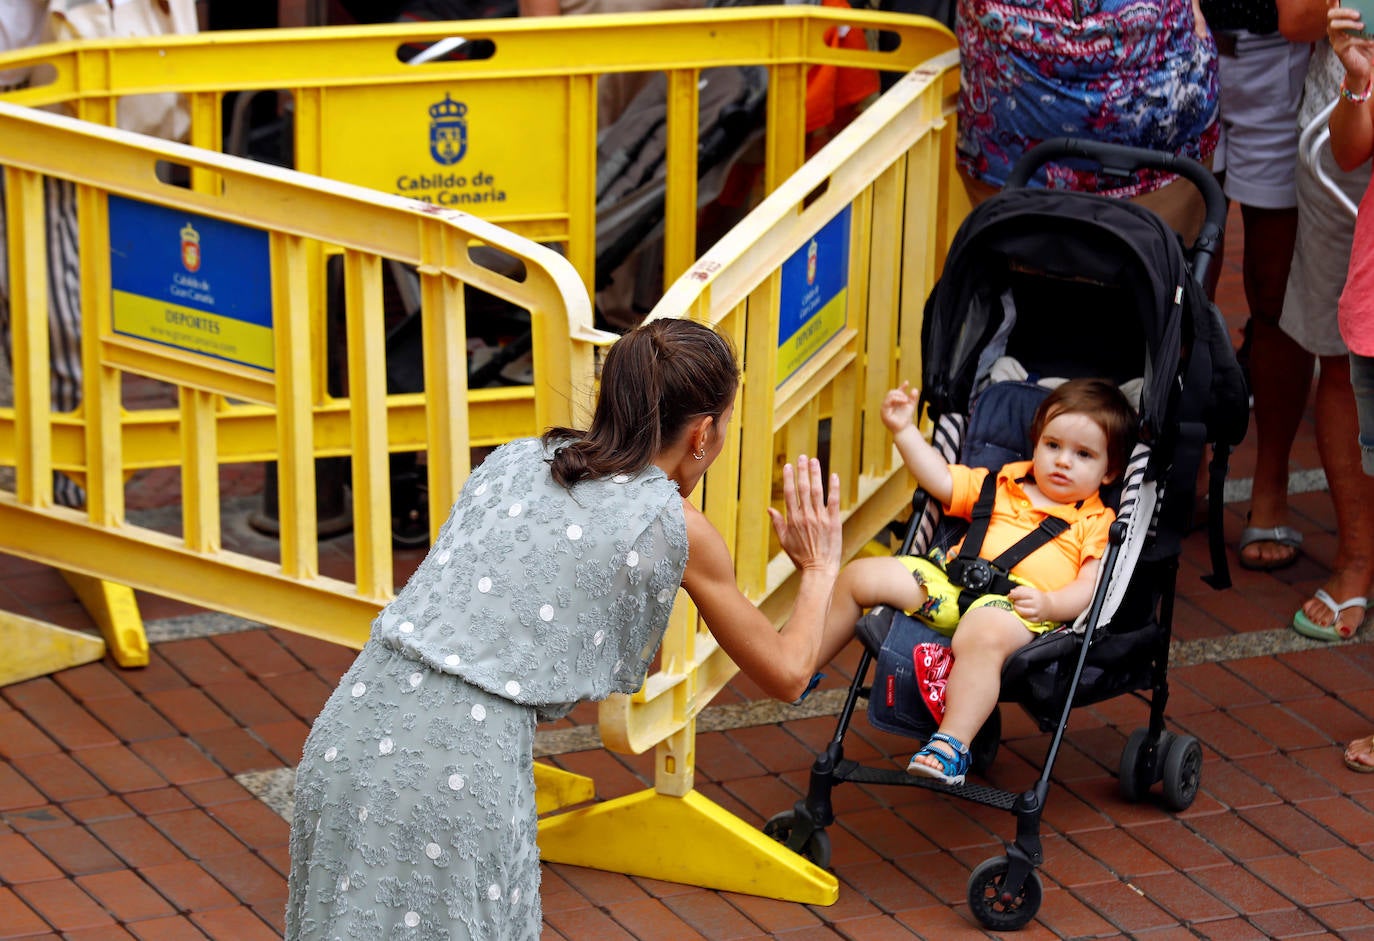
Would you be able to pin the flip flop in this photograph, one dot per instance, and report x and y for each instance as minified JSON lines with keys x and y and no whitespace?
{"x":1365,"y":748}
{"x":1309,"y":628}
{"x":1280,"y":535}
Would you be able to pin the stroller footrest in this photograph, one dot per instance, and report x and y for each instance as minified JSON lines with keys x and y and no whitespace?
{"x":848,"y":770}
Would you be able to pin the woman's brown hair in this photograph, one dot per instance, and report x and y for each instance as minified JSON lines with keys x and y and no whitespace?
{"x":655,"y":379}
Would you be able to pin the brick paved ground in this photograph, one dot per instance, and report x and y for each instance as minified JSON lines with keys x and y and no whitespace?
{"x":123,"y":813}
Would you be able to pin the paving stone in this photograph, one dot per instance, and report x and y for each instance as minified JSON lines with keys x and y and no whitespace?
{"x":63,"y":905}
{"x":188,"y":887}
{"x":16,"y":792}
{"x":190,"y":710}
{"x":19,"y":737}
{"x":235,"y":924}
{"x":59,"y":778}
{"x":17,"y":920}
{"x":135,"y":841}
{"x":196,"y":834}
{"x":60,"y":717}
{"x":175,"y":928}
{"x":177,"y":760}
{"x":124,"y":895}
{"x":258,"y":653}
{"x":160,"y":801}
{"x":253,"y":823}
{"x":74,"y":850}
{"x":119,"y":769}
{"x":20,"y":861}
{"x":249,"y":878}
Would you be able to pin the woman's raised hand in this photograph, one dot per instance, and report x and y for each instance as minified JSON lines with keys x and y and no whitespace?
{"x":810,"y":533}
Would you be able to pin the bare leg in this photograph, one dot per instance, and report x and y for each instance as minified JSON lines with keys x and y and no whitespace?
{"x":985,"y":639}
{"x":1277,"y":367}
{"x":1352,"y":494}
{"x":862,"y":584}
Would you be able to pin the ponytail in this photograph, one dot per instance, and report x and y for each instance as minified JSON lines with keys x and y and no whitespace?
{"x":655,"y":379}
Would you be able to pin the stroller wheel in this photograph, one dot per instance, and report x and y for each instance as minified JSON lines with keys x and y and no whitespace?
{"x":994,"y":908}
{"x":1135,"y":777}
{"x":816,"y":847}
{"x":1182,"y":772}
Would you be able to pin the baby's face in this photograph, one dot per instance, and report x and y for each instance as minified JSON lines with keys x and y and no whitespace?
{"x":1070,"y":459}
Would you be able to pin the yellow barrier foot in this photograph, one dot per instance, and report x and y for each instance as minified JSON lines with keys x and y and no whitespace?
{"x":683,"y":839}
{"x":114,"y":608}
{"x":35,"y":648}
{"x":555,"y":788}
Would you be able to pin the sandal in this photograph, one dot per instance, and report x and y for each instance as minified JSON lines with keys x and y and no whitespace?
{"x":953,"y":765}
{"x":1279,"y":535}
{"x":1360,"y":748}
{"x":1335,"y":630}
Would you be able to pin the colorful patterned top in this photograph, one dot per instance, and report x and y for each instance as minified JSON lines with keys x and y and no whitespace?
{"x":1130,"y":72}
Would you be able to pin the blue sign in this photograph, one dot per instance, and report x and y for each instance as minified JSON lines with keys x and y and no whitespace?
{"x":191,"y":282}
{"x":813,"y":296}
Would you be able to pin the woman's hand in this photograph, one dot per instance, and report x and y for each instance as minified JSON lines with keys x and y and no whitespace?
{"x":810,"y":533}
{"x":899,"y":408}
{"x":1355,"y":52}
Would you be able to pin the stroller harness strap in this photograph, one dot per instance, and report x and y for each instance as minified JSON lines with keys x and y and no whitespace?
{"x":978,"y":576}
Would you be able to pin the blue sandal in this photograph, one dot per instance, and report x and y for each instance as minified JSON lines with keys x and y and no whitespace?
{"x":953,"y":767}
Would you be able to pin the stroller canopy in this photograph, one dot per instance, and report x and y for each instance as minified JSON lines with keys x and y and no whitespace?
{"x":1068,"y":284}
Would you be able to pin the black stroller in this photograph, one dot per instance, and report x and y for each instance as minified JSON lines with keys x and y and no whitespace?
{"x":1042,"y":284}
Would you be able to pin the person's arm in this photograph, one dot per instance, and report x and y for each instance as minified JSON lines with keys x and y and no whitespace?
{"x":1352,"y":123}
{"x":1199,"y":21}
{"x":540,"y":8}
{"x":1062,"y":605}
{"x":1302,"y":20}
{"x":925,"y":463}
{"x":782,"y":661}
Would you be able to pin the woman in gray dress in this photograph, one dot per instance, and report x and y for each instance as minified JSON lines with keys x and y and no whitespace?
{"x":550,"y":583}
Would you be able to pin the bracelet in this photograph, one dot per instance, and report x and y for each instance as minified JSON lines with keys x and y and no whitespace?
{"x":1349,"y":95}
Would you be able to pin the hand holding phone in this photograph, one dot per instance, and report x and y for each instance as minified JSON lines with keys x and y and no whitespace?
{"x":1365,"y":9}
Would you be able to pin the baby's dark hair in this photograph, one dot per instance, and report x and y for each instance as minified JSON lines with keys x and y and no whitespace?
{"x":1101,"y":401}
{"x":655,"y":379}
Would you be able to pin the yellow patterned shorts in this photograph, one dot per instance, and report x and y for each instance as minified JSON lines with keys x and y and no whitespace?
{"x":941,"y":607}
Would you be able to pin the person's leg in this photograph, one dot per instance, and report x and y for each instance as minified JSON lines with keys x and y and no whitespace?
{"x":862,"y":584}
{"x":1281,"y":373}
{"x":986,"y":637}
{"x":64,"y":316}
{"x":64,"y":311}
{"x":1362,"y":385}
{"x":1352,"y":494}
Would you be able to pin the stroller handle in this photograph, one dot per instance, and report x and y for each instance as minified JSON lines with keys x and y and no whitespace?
{"x":1120,"y":160}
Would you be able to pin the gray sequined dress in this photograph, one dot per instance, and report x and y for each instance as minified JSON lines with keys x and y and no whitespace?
{"x":415,"y":814}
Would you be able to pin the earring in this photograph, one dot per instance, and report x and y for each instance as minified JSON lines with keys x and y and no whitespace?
{"x":700,"y":455}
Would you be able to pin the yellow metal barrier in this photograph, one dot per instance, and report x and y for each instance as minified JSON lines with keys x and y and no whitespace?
{"x":822,"y":288}
{"x":509,"y":135}
{"x":247,"y":370}
{"x":883,"y":191}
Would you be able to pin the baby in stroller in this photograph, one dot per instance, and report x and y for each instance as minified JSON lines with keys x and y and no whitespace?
{"x":1027,"y":564}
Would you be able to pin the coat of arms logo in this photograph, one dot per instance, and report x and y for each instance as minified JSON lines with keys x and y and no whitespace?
{"x":448,"y":131}
{"x":190,"y":248}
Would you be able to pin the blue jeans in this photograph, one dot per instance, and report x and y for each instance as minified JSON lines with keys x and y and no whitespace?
{"x":1362,"y":381}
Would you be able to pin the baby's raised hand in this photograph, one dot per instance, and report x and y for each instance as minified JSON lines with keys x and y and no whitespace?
{"x":899,"y":407}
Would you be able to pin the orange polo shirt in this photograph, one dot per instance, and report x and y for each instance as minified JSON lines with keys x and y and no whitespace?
{"x":1054,"y":564}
